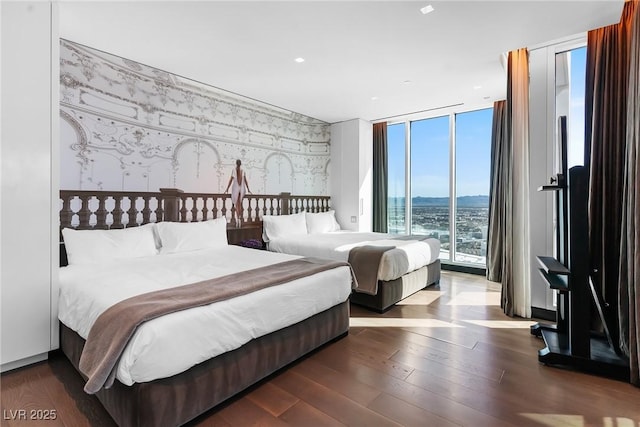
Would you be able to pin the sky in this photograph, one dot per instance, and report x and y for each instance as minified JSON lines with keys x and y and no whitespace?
{"x":575,"y":148}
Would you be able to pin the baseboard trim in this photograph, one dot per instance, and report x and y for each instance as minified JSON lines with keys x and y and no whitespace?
{"x":9,"y":366}
{"x":479,"y":271}
{"x":543,"y":313}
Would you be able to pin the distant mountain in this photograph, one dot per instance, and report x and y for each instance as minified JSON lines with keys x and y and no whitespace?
{"x":473,"y":201}
{"x":463,"y":201}
{"x":430,"y":201}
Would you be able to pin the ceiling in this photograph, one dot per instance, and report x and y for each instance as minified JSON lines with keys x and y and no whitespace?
{"x":363,"y":59}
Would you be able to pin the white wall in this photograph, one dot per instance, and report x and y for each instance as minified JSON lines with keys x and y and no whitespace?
{"x":351,"y":174}
{"x":540,"y":157}
{"x":28,"y":230}
{"x":365,"y":175}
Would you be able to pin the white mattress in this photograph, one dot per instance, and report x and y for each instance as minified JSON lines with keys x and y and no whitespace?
{"x":407,"y":256}
{"x":173,"y":343}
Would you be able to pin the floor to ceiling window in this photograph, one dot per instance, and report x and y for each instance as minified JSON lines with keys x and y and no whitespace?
{"x":396,"y":155}
{"x":473,"y":163}
{"x":443,"y":190}
{"x":430,"y":179}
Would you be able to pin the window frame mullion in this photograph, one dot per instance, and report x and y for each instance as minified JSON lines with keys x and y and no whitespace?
{"x":408,"y":203}
{"x":452,"y":187}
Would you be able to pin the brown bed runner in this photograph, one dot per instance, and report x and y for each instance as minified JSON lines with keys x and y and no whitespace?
{"x":112,"y":330}
{"x":365,"y":262}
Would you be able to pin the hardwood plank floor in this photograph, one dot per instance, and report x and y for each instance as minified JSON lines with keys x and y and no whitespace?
{"x":446,"y":356}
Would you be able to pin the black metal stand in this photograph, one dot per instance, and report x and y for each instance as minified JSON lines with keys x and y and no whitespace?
{"x":570,"y":342}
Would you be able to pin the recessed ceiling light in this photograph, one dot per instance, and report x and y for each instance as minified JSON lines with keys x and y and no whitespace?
{"x":299,"y":60}
{"x":476,"y":87}
{"x":374,"y":98}
{"x":427,"y":9}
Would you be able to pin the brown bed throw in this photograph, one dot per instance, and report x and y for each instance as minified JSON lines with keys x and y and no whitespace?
{"x":112,"y":330}
{"x":365,"y":262}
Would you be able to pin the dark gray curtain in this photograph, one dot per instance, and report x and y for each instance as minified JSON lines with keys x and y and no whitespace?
{"x":629,"y":305}
{"x":500,"y":152}
{"x":605,"y":142}
{"x":380,"y":182}
{"x":611,"y":143}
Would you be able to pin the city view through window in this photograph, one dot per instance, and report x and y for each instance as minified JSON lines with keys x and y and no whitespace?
{"x":463,"y":236}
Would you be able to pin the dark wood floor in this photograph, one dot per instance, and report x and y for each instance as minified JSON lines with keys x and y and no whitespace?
{"x":446,"y":356}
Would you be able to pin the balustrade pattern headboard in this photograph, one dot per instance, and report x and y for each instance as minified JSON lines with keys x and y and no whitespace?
{"x":84,"y":209}
{"x":99,"y":210}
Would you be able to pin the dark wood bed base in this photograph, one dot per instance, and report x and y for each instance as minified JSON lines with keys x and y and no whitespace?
{"x":176,"y":400}
{"x":391,"y":292}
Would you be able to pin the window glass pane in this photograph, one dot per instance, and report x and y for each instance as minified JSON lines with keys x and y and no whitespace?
{"x":575,"y":152}
{"x":473,"y":163}
{"x":396,"y":149}
{"x":430,"y":180}
{"x":570,"y":85}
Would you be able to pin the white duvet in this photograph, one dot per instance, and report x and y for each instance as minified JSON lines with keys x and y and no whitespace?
{"x":407,"y":256}
{"x":173,"y":343}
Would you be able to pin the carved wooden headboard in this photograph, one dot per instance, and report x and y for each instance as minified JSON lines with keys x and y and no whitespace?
{"x":100,"y":210}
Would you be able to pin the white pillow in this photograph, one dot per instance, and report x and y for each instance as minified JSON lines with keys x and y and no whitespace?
{"x":191,"y":236}
{"x":322,"y":222}
{"x":97,"y":246}
{"x":274,"y":226}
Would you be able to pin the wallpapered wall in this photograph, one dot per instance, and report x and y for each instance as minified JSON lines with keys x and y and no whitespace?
{"x":128,"y":126}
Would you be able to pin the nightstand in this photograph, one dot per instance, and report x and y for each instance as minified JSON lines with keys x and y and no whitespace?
{"x":247,"y":235}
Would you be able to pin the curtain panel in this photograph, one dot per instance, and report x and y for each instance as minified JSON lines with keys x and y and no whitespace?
{"x":508,"y":250}
{"x":380,"y":177}
{"x":518,"y":279}
{"x":499,"y":178}
{"x":629,"y":287}
{"x":607,"y":77}
{"x":612,"y":123}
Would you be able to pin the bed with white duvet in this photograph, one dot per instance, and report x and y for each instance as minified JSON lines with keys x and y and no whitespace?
{"x":404,"y":263}
{"x":405,"y":257}
{"x":106,"y":267}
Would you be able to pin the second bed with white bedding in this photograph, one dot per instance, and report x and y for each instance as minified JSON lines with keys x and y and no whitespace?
{"x":405,"y":257}
{"x":388,"y":267}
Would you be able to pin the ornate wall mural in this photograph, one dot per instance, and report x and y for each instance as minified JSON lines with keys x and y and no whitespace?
{"x":127,"y":126}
